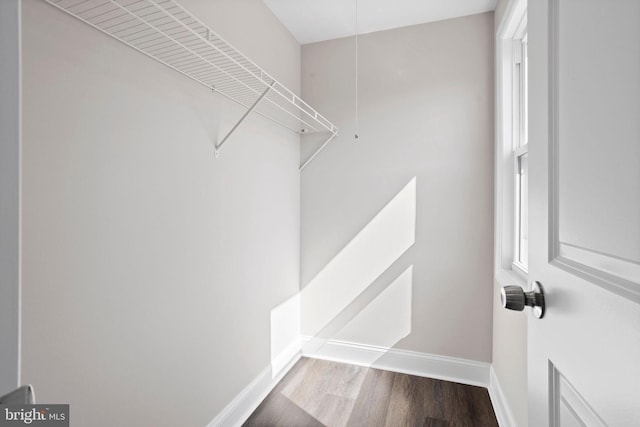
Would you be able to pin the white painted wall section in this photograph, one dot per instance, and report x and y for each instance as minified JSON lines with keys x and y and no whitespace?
{"x":400,"y":222}
{"x":152,"y":269}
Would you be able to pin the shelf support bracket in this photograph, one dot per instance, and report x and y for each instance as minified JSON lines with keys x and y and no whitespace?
{"x":244,"y":116}
{"x":333,"y":135}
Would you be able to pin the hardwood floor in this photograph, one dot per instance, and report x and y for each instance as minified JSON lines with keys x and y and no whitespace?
{"x":322,"y":393}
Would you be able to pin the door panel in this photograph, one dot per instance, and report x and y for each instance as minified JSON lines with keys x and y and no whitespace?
{"x":569,"y":408}
{"x":598,"y":111}
{"x":584,"y":166}
{"x":595,"y":140}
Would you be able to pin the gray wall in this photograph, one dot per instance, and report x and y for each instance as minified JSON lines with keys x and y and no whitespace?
{"x":501,"y":6}
{"x":412,"y":199}
{"x":150,"y":268}
{"x":9,"y":194}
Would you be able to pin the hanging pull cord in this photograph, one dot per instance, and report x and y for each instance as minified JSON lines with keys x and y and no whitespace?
{"x":357,"y":114}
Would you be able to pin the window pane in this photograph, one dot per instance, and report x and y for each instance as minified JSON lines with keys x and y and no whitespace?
{"x":520,"y":92}
{"x":523,"y":210}
{"x":517,"y":110}
{"x":524,"y":84}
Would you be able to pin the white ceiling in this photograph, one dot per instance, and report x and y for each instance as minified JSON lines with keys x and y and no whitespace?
{"x":316,"y":20}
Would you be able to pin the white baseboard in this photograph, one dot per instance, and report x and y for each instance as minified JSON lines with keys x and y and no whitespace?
{"x":446,"y":368}
{"x":499,"y":402}
{"x":282,"y":362}
{"x":407,"y":362}
{"x":240,"y":408}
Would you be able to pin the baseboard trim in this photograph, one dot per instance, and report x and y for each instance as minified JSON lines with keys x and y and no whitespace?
{"x":446,"y":368}
{"x":407,"y":362}
{"x":243,"y":405}
{"x":499,"y":402}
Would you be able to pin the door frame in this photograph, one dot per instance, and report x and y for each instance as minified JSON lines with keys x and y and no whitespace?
{"x":508,"y":378}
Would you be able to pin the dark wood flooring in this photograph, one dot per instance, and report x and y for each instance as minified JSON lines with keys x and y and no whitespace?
{"x":321,"y":393}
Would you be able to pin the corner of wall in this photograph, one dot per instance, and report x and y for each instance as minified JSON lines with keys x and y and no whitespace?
{"x":243,"y":405}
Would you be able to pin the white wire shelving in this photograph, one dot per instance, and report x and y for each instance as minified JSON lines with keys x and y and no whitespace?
{"x":168,"y":33}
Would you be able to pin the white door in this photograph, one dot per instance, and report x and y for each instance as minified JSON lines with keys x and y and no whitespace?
{"x":584,"y":163}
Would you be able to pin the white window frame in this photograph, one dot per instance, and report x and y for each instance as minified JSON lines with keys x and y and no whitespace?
{"x":517,"y":263}
{"x":519,"y":140}
{"x":511,"y":143}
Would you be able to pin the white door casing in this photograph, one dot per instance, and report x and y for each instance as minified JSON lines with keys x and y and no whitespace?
{"x":584,"y":201}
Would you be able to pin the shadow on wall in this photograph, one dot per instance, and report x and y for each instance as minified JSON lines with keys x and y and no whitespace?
{"x":344,"y":301}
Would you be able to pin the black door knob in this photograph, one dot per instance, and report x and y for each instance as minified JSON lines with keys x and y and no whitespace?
{"x":515,"y":298}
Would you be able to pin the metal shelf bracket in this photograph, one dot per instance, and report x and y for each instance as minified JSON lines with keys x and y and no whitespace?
{"x":304,"y":165}
{"x":244,"y":116}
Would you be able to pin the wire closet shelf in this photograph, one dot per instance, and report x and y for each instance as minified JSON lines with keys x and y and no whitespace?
{"x":168,"y":33}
